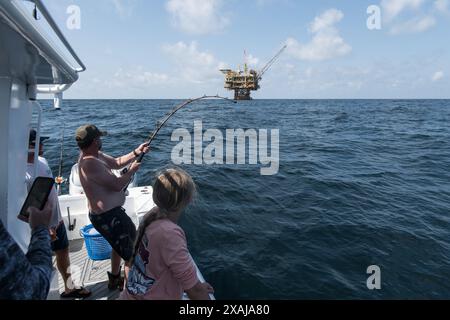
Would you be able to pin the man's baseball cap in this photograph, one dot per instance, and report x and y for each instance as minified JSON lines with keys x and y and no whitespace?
{"x":87,"y":133}
{"x":32,"y":139}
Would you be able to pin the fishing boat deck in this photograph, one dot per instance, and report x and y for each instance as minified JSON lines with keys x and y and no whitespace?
{"x":91,"y":274}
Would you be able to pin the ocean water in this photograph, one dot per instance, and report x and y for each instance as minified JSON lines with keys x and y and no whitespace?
{"x":361,"y":182}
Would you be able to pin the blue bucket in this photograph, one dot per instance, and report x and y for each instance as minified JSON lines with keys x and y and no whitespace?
{"x":97,"y":247}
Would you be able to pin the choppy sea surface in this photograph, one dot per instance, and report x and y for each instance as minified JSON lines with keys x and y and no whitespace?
{"x":361,"y":182}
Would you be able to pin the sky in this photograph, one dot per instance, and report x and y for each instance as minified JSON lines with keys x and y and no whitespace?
{"x":142,"y":49}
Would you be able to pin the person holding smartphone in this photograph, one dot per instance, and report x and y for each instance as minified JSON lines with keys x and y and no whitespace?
{"x":60,"y":242}
{"x":27,"y":277}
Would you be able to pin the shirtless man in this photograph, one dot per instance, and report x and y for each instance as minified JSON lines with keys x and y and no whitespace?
{"x":106,"y":195}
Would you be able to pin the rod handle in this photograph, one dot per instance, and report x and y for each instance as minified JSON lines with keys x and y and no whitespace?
{"x":141,"y":156}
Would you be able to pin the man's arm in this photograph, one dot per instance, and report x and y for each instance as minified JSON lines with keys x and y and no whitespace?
{"x":97,"y":172}
{"x":25,"y":277}
{"x":123,"y":161}
{"x":117,"y":163}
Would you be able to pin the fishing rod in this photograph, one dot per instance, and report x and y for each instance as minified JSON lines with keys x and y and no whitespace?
{"x":59,"y":179}
{"x":169,"y":115}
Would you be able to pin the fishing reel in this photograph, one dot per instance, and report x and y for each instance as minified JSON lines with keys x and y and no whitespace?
{"x":60,"y":181}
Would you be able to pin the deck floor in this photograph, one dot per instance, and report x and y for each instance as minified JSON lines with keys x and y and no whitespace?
{"x":90,"y":274}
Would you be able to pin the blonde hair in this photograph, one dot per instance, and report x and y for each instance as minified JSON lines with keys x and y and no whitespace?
{"x":173,"y":191}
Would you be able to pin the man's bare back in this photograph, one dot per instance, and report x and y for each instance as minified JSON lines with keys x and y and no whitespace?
{"x":100,"y":188}
{"x":105,"y":193}
{"x":104,"y":190}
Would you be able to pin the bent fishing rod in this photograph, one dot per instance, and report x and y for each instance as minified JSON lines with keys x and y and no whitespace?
{"x":160,"y":124}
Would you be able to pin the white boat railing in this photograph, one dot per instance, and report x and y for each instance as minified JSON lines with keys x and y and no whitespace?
{"x":16,"y":16}
{"x":58,"y":32}
{"x":52,"y":89}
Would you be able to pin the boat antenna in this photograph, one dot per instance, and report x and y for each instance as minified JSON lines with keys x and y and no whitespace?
{"x":59,"y":179}
{"x":169,"y":115}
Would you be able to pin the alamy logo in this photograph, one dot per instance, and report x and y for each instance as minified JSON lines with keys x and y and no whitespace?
{"x":74,"y":20}
{"x":374,"y":19}
{"x":235,"y":140}
{"x":374,"y":280}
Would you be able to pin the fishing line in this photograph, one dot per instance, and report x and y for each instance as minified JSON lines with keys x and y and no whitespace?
{"x":160,"y":124}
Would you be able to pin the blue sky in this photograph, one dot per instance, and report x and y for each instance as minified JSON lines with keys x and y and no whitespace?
{"x":174,"y":48}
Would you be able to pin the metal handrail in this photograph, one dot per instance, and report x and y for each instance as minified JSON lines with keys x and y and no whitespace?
{"x":52,"y":89}
{"x":58,"y":32}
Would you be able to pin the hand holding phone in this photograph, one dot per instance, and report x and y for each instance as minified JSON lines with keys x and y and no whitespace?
{"x":40,"y":217}
{"x":37,"y":197}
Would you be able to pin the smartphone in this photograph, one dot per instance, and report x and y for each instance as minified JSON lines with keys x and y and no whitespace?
{"x":37,"y":197}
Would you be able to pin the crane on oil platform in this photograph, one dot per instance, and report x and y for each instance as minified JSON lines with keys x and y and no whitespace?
{"x":245,"y":81}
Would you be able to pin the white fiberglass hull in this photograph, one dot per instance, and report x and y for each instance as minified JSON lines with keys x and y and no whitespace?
{"x":75,"y":212}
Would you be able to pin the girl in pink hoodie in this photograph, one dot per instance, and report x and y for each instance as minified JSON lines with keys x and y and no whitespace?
{"x":162,"y":268}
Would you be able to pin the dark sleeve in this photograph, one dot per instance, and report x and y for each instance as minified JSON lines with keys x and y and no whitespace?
{"x":25,"y":277}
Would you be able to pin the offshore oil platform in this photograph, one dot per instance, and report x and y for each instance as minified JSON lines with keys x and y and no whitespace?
{"x":245,"y":81}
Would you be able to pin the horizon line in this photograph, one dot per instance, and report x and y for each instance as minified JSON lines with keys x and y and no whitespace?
{"x":252,"y":99}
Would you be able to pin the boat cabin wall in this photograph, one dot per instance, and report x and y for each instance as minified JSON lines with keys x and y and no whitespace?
{"x":15,"y":118}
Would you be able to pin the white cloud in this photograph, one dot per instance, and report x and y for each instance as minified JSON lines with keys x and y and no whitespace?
{"x":442,"y":6}
{"x":197,"y":16}
{"x":124,"y":8}
{"x":322,"y":79}
{"x":393,"y":8}
{"x":384,"y":78}
{"x":136,"y":78}
{"x":252,"y":61}
{"x":326,"y":20}
{"x":414,"y":25}
{"x":193,"y":65}
{"x":326,"y":42}
{"x":437,"y":76}
{"x":412,"y":16}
